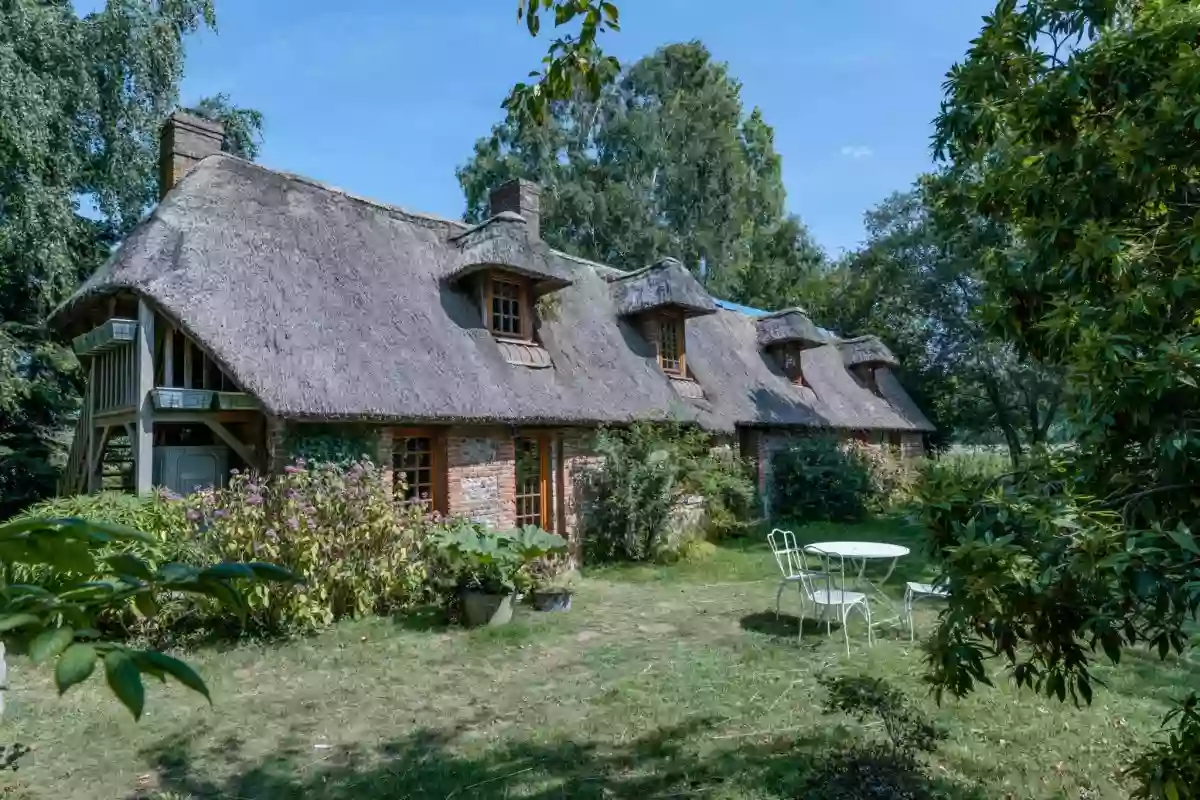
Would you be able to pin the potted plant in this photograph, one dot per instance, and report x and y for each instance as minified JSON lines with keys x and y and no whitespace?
{"x":488,"y":566}
{"x":553,"y":585}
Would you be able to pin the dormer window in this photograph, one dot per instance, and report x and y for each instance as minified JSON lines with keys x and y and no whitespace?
{"x":507,"y":307}
{"x":671,"y":345}
{"x":658,"y":300}
{"x":863,"y":357}
{"x":785,"y":335}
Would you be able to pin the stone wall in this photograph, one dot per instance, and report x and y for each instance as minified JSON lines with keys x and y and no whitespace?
{"x":481,"y":475}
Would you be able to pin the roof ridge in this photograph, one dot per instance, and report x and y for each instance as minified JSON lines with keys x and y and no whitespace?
{"x":313,"y":182}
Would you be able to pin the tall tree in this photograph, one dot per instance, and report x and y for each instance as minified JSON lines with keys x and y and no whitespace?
{"x":243,"y":126}
{"x":664,"y":162}
{"x":1076,"y":124}
{"x":83,"y":100}
{"x":917,"y":279}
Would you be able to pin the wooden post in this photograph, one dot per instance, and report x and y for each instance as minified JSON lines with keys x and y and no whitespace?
{"x":143,"y":444}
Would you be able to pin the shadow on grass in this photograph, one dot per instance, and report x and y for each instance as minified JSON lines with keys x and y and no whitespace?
{"x":785,"y":626}
{"x":443,"y":765}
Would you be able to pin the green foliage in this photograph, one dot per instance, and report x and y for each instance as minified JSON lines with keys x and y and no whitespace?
{"x":917,"y":279}
{"x":819,"y":478}
{"x":573,"y":63}
{"x":474,"y":557}
{"x":665,"y":161}
{"x":83,"y":100}
{"x":873,"y":771}
{"x":332,"y":444}
{"x":243,"y":126}
{"x":645,"y":474}
{"x":1171,"y":768}
{"x":1073,"y":124}
{"x":55,"y":623}
{"x":159,"y":515}
{"x":357,"y":550}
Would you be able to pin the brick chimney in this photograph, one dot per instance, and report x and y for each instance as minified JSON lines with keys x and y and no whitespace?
{"x":185,"y":139}
{"x":523,"y":197}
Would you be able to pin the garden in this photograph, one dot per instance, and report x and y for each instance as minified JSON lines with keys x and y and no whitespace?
{"x":661,"y":670}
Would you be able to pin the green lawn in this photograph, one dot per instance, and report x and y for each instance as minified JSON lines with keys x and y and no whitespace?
{"x":661,"y":682}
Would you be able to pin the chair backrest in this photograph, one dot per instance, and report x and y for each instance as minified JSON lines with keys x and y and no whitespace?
{"x":832,"y":574}
{"x":783,"y":546}
{"x":793,"y":562}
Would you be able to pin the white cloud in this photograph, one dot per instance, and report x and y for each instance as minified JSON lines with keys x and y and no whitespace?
{"x":857,"y":151}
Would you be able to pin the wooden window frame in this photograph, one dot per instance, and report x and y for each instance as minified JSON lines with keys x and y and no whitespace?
{"x":545,"y":489}
{"x":524,"y":305}
{"x":679,"y":324}
{"x":437,"y":462}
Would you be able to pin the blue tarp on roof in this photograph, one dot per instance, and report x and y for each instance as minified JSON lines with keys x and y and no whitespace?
{"x":758,"y":312}
{"x":747,"y":310}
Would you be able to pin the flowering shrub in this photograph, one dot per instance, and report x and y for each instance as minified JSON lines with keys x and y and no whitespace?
{"x":891,"y":480}
{"x":357,"y":550}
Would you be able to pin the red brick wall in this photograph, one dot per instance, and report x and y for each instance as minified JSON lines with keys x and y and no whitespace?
{"x":481,"y":475}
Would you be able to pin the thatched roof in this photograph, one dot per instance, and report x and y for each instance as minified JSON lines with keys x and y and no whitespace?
{"x":867,"y":350}
{"x":789,"y":326}
{"x":665,"y":285}
{"x":504,"y":241}
{"x":327,"y":306}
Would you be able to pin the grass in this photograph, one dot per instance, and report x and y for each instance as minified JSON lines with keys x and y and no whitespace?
{"x":661,"y":682}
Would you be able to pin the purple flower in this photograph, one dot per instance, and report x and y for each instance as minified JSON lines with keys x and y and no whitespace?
{"x":193,"y":515}
{"x":220,"y":513}
{"x":294,"y":523}
{"x":254,"y":500}
{"x":271,"y":534}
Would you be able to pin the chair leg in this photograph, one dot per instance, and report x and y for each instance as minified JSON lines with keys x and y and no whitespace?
{"x":846,"y":628}
{"x":908,"y":614}
{"x":870,"y":627}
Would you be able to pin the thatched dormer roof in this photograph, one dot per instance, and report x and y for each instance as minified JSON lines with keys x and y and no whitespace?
{"x":326,"y":306}
{"x":503,"y":242}
{"x":661,"y":286}
{"x":867,"y":350}
{"x":789,"y":326}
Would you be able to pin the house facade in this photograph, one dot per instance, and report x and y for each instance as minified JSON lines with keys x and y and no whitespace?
{"x":253,"y":310}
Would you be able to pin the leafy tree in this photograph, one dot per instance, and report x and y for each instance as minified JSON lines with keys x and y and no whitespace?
{"x":1075,"y":124}
{"x":243,"y":126}
{"x":54,"y":620}
{"x":572,"y":61}
{"x":83,"y":100}
{"x":664,"y":162}
{"x":917,"y":278}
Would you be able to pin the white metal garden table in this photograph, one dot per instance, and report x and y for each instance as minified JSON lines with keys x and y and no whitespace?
{"x":861,"y":553}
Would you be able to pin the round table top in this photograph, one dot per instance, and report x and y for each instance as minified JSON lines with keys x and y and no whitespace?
{"x":858,"y":549}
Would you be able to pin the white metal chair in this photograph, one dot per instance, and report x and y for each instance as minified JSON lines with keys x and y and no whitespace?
{"x":818,"y":587}
{"x":913,"y":592}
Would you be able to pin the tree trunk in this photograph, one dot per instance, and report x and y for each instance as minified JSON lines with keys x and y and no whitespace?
{"x":1003,"y":419}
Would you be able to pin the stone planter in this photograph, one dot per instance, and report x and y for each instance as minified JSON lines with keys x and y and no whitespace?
{"x":559,"y":600}
{"x":487,"y":609}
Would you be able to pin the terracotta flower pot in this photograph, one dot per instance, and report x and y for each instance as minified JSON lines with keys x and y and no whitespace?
{"x":480,"y":608}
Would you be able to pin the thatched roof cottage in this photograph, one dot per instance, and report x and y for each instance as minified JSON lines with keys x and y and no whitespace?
{"x":254,"y":309}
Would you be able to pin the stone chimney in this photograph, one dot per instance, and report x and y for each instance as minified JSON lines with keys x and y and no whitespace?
{"x":520,"y":196}
{"x":185,"y":139}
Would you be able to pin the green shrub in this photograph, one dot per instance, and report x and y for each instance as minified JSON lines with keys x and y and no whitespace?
{"x":818,"y":478}
{"x":871,"y":769}
{"x":474,"y":557}
{"x":891,"y":479}
{"x":357,"y":550}
{"x":631,"y":499}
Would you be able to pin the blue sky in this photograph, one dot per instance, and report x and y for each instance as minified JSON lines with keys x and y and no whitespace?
{"x":386,"y":97}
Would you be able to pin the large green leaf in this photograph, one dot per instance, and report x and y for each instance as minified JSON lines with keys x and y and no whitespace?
{"x":125,"y":679}
{"x":74,"y":665}
{"x":49,"y":644}
{"x":179,"y":670}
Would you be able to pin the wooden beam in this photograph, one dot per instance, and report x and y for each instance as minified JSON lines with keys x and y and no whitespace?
{"x":95,"y":454}
{"x":245,"y":452}
{"x":143,"y":443}
{"x":169,"y":358}
{"x":247,"y":415}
